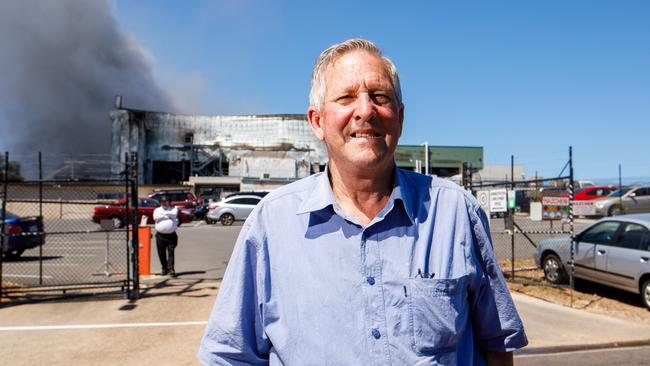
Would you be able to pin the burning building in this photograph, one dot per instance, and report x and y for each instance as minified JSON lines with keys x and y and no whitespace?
{"x":245,"y":152}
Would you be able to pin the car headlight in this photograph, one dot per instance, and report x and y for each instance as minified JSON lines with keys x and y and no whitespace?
{"x":600,"y":204}
{"x":187,"y":212}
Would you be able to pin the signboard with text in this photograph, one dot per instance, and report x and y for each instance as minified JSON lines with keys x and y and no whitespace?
{"x":584,"y":208}
{"x":555,"y":208}
{"x":498,"y":200}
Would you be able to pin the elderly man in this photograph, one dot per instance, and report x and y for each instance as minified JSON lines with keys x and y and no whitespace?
{"x":363,"y":264}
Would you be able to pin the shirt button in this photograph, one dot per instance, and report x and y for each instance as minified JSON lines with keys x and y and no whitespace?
{"x":375,"y":333}
{"x":371,"y":280}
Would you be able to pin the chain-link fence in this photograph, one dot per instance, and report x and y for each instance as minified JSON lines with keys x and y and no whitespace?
{"x":65,"y":236}
{"x":523,"y":213}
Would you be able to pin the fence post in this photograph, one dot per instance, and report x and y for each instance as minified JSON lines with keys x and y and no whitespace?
{"x":571,"y":228}
{"x":127,"y":176}
{"x":4,"y":217}
{"x":511,"y":213}
{"x":40,"y":214}
{"x":135,"y":242}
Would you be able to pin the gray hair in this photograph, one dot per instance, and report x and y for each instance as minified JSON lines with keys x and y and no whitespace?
{"x":332,"y":53}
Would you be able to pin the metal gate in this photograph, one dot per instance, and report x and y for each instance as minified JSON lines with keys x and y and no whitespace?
{"x":68,"y":237}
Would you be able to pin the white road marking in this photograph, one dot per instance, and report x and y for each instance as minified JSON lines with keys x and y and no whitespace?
{"x":47,"y":264}
{"x":80,"y":255}
{"x":23,"y":276}
{"x":76,"y":248}
{"x":98,"y":326}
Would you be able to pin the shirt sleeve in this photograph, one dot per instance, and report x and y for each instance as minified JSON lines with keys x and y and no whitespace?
{"x":497,"y":325}
{"x":234,"y":334}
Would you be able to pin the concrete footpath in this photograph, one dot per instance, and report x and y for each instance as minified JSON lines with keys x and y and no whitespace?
{"x":164,"y":327}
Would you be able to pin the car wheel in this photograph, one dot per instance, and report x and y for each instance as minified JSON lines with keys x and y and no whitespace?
{"x":553,"y":270}
{"x":615,"y":211}
{"x":645,"y":293}
{"x":208,"y":220}
{"x":14,"y":254}
{"x":227,"y":219}
{"x":117,"y":222}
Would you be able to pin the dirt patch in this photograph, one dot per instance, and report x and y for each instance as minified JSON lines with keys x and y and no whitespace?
{"x":587,"y":296}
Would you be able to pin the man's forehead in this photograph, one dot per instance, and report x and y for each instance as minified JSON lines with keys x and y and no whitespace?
{"x":351,"y":68}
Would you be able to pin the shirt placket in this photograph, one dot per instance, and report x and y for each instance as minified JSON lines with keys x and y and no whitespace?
{"x":375,"y":311}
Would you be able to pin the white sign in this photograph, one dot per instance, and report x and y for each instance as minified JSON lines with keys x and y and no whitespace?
{"x":536,"y":211}
{"x":555,"y":201}
{"x":483,"y":198}
{"x":498,"y":200}
{"x":584,"y":208}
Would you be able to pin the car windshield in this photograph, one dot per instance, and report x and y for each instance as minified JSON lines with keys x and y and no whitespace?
{"x":579,"y":190}
{"x":619,"y":192}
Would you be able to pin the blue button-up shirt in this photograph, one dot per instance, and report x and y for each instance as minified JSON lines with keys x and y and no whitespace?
{"x":307,"y":284}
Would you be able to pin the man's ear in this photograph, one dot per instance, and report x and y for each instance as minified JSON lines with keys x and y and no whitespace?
{"x":314,"y":117}
{"x":401,"y":118}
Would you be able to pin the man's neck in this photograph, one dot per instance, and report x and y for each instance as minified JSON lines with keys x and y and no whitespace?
{"x":362,"y":194}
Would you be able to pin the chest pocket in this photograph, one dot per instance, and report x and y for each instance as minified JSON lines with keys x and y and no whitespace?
{"x":438,"y":313}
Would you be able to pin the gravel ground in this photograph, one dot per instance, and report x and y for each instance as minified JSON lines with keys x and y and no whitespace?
{"x":588,"y":296}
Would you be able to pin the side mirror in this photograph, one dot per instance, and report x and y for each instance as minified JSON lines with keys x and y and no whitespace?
{"x":632,"y":195}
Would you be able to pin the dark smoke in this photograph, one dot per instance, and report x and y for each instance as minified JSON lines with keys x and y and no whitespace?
{"x":61,"y":64}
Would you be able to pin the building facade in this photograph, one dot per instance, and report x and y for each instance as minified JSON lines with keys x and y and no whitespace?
{"x":254,"y":150}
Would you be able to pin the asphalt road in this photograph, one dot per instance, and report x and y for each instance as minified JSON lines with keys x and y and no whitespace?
{"x":632,"y":356}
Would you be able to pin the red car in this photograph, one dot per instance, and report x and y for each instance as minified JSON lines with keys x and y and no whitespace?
{"x":116,"y":212}
{"x":177,"y":197}
{"x":593,"y":192}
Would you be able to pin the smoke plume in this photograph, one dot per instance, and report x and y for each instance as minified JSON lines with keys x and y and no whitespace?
{"x":62,"y":63}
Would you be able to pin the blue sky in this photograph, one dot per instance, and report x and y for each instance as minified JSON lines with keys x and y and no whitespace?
{"x":522,"y":78}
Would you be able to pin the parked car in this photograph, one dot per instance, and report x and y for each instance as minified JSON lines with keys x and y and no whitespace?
{"x":180,"y":198}
{"x":612,"y":251}
{"x":116,"y":212}
{"x":250,"y":193}
{"x":22,"y":233}
{"x":592,"y":193}
{"x":231,"y":209}
{"x":626,"y":200}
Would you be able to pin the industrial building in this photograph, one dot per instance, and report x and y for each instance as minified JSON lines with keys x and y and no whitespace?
{"x":228,"y":153}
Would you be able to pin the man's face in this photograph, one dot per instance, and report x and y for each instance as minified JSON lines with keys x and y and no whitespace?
{"x":164,"y":203}
{"x":360,"y":119}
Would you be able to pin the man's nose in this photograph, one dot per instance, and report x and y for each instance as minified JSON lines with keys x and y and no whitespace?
{"x":365,"y":108}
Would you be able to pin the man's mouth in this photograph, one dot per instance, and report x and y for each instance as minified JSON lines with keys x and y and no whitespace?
{"x":365,"y":134}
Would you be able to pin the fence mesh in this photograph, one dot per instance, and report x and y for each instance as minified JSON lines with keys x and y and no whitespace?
{"x":529,"y":213}
{"x":53,"y":237}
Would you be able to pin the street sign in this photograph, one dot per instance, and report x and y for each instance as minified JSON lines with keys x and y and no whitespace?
{"x":555,"y":208}
{"x":483,"y":198}
{"x":498,"y":200}
{"x":584,"y":208}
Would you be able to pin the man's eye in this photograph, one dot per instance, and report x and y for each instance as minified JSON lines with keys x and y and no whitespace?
{"x":344,"y":99}
{"x":380,"y":98}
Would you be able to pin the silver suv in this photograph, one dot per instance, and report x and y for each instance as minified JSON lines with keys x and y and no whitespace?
{"x":231,"y":209}
{"x":622,"y":201}
{"x":612,"y":251}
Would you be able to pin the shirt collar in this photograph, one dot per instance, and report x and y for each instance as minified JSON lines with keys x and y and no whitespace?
{"x":322,"y":196}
